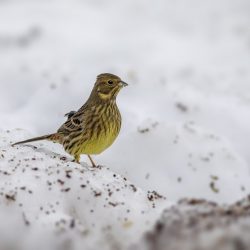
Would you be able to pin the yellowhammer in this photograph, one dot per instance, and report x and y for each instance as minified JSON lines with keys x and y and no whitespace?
{"x":95,"y":126}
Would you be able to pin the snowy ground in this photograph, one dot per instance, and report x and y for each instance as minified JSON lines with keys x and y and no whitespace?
{"x":186,"y":113}
{"x":199,"y":224}
{"x":45,"y":198}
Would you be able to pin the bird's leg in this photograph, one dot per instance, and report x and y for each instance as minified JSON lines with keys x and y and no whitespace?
{"x":76,"y":159}
{"x":93,"y":164}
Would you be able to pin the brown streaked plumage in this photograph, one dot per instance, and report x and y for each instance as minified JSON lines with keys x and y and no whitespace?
{"x":95,"y":126}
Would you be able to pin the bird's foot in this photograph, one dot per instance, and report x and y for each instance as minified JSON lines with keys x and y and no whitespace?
{"x":76,"y":161}
{"x":92,"y":162}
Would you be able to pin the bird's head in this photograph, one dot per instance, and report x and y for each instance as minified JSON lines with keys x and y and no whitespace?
{"x":107,"y":86}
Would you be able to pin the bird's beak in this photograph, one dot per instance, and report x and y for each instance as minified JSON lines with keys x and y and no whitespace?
{"x":123,"y":84}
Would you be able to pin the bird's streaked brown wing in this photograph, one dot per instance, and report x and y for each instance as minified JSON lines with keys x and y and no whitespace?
{"x":75,"y":122}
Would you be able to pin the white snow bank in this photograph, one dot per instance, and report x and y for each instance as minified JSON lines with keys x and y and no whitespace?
{"x":199,"y":224}
{"x":48,"y":202}
{"x":181,"y":160}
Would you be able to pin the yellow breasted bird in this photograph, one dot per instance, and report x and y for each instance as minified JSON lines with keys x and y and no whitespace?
{"x":95,"y":126}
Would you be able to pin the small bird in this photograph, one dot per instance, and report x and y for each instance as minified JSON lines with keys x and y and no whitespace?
{"x":95,"y":126}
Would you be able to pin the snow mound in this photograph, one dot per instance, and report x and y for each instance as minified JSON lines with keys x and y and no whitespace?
{"x":199,"y":224}
{"x":49,"y":202}
{"x":182,"y":160}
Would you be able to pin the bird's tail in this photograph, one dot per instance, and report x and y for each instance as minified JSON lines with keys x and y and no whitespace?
{"x":52,"y":137}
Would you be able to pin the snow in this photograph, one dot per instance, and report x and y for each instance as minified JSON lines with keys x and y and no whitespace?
{"x":55,"y":199}
{"x":199,"y":224}
{"x":186,"y":119}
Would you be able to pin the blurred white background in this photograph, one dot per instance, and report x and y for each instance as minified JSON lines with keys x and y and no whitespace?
{"x":186,"y":113}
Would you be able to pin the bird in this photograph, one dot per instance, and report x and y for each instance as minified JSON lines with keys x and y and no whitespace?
{"x":95,"y":126}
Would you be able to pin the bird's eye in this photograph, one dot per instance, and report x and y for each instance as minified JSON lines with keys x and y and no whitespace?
{"x":110,"y":82}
